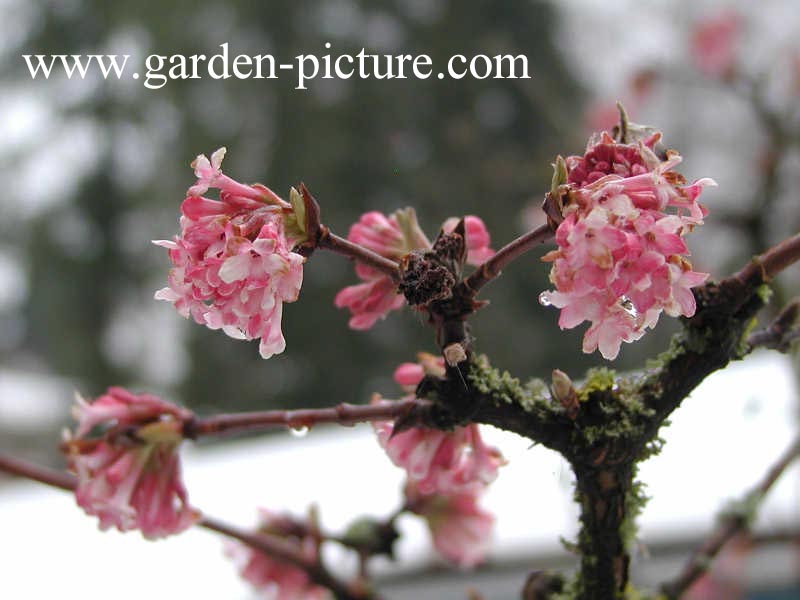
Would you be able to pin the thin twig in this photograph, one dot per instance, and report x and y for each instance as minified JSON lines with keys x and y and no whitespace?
{"x":23,"y":468}
{"x":344,"y":414}
{"x":765,"y":266}
{"x":729,"y":526}
{"x":490,"y":269}
{"x":339,"y":245}
{"x":781,"y":333}
{"x":734,"y":301}
{"x":280,"y":549}
{"x":273,"y":546}
{"x":767,"y":338}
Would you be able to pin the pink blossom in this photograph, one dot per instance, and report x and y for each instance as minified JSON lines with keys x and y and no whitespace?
{"x":130,"y":477}
{"x":477,"y":238}
{"x":370,"y":301}
{"x":727,"y":577}
{"x":373,"y":299}
{"x":275,"y":579}
{"x":409,"y":375}
{"x":380,"y":234}
{"x":393,"y":237}
{"x":620,"y":259}
{"x":441,"y":461}
{"x":713,"y":44}
{"x":604,"y":156}
{"x":233,"y":267}
{"x":461,"y":530}
{"x":437,"y":461}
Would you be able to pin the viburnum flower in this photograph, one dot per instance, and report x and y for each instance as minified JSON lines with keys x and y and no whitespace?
{"x":275,"y":579}
{"x":130,"y":476}
{"x":621,"y":259}
{"x":437,"y":461}
{"x":460,"y":529}
{"x":393,"y":237}
{"x":713,"y":44}
{"x":233,"y":265}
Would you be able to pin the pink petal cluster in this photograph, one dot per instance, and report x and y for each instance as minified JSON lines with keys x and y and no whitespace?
{"x":460,"y":529}
{"x":727,"y":578}
{"x":275,"y":579}
{"x":438,"y":461}
{"x":477,"y":238}
{"x":233,"y":267}
{"x":393,"y":237}
{"x":447,"y":471}
{"x":131,"y":481}
{"x":713,"y":44}
{"x":621,"y":260}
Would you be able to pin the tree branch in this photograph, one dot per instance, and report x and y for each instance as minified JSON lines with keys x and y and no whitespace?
{"x":339,"y":245}
{"x":279,"y":549}
{"x":344,"y":414}
{"x":714,"y":335}
{"x":51,"y":477}
{"x":487,"y":395}
{"x":731,"y":523}
{"x":273,"y":546}
{"x":781,"y":333}
{"x":490,"y":269}
{"x":766,"y":266}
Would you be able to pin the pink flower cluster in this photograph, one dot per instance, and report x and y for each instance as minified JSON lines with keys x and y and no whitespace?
{"x":621,"y":257}
{"x":393,"y":237}
{"x":130,"y":480}
{"x":233,"y":264}
{"x":277,"y":580}
{"x":460,"y":528}
{"x":713,"y":44}
{"x":447,"y":472}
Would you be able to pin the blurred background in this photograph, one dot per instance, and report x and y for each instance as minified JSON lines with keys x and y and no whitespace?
{"x":97,"y":168}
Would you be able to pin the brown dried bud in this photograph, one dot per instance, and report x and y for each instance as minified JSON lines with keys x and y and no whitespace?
{"x":451,"y":248}
{"x":553,"y":206}
{"x":423,"y":278}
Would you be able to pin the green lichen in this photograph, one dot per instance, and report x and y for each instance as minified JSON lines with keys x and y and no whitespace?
{"x":635,"y":501}
{"x":537,"y":388}
{"x":677,"y":346}
{"x":764,"y":292}
{"x":743,"y":348}
{"x":653,"y":447}
{"x":597,"y":380}
{"x":743,"y":510}
{"x":569,"y":546}
{"x":634,"y":593}
{"x":502,"y":387}
{"x":616,"y":409}
{"x":570,"y":591}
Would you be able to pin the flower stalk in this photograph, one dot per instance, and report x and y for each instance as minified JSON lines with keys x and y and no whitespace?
{"x":343,"y":414}
{"x":491,"y":268}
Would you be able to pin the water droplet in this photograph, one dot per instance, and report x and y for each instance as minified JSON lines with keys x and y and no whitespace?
{"x":544,"y":299}
{"x":298,"y":431}
{"x":628,"y":307}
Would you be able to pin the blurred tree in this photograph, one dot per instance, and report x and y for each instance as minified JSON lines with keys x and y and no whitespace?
{"x":446,"y":147}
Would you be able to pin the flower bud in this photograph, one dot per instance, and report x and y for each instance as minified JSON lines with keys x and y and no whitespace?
{"x":564,"y":392}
